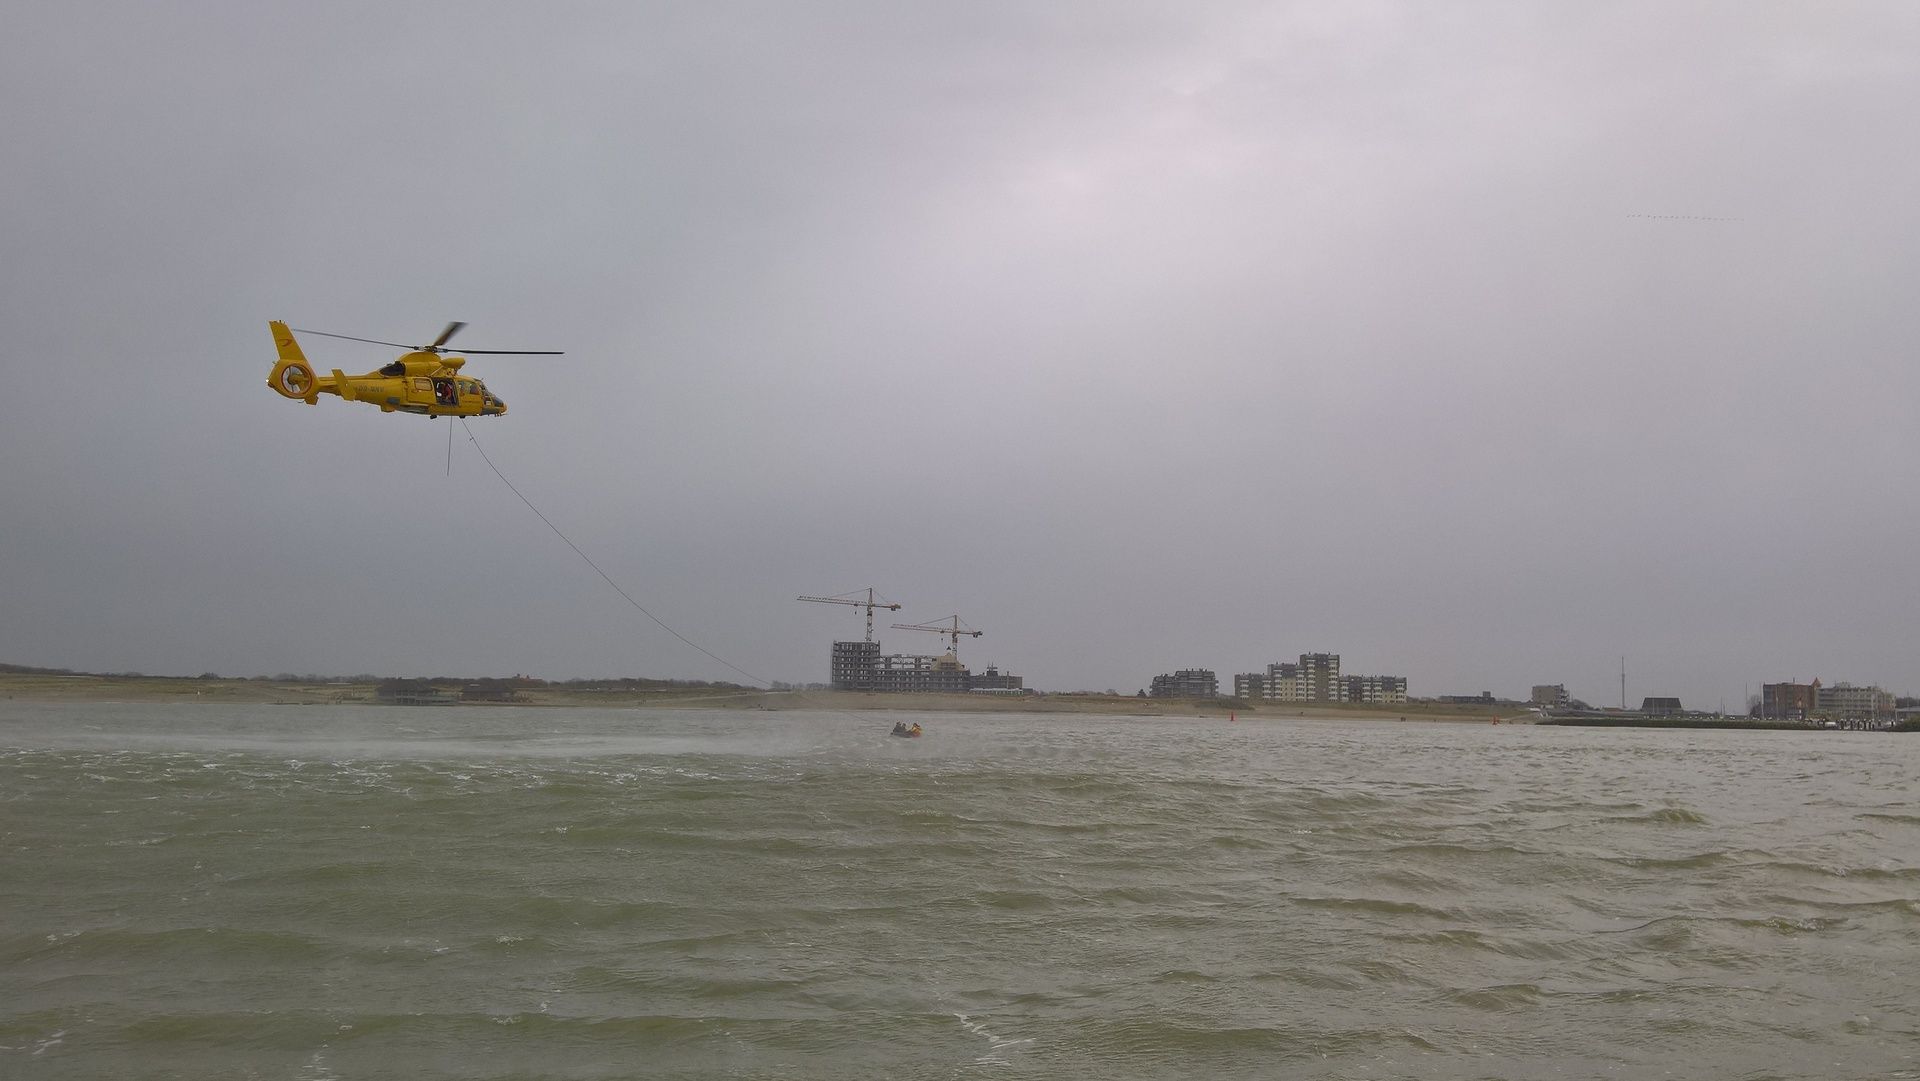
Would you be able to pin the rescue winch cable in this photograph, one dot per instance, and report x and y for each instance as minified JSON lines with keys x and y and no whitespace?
{"x":589,"y":560}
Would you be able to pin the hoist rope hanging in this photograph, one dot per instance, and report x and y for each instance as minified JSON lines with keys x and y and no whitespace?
{"x":596,"y":567}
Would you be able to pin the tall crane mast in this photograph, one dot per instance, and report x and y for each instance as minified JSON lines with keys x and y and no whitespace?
{"x":954,"y":631}
{"x":869,"y":604}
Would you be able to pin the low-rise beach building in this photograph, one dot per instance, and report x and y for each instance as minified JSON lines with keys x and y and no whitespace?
{"x":1383,"y":690}
{"x":1550,"y":696}
{"x":1186,"y":683}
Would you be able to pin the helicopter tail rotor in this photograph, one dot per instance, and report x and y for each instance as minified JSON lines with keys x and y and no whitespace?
{"x":292,"y":376}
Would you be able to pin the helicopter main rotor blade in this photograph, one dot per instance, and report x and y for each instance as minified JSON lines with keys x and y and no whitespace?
{"x":439,"y":345}
{"x":452,"y":329}
{"x":349,"y":337}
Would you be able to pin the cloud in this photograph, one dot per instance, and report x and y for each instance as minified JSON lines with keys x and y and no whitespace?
{"x":1483,"y":344}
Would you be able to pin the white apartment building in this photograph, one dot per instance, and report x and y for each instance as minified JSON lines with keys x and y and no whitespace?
{"x":1844,"y":701}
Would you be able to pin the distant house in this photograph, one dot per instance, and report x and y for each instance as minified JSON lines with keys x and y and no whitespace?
{"x":491,"y":690}
{"x":414,"y":692}
{"x":1660,"y":707}
{"x":1789,"y":701}
{"x":994,"y":681}
{"x":1187,"y":683}
{"x":1375,"y":689}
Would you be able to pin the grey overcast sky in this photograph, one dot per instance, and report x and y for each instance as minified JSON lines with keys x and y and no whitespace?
{"x":1481,"y":343}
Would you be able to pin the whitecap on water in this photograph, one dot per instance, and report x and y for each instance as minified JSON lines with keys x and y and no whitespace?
{"x":995,"y":1043}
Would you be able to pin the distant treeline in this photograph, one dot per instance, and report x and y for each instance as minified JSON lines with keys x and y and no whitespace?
{"x":624,"y":683}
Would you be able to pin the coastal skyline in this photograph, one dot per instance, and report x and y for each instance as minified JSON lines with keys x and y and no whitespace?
{"x":1484,"y":345}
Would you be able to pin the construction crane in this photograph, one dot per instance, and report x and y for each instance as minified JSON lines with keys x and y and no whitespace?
{"x":955,"y":631}
{"x":869,"y":604}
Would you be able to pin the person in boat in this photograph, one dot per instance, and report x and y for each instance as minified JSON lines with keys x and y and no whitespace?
{"x":915,"y":730}
{"x":899,"y":728}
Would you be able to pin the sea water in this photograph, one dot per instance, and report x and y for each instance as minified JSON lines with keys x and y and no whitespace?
{"x":361,"y":892}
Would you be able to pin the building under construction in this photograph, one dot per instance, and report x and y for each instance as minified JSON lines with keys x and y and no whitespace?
{"x":860,"y":666}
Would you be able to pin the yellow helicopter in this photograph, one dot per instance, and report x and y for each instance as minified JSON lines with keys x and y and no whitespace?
{"x":424,"y":381}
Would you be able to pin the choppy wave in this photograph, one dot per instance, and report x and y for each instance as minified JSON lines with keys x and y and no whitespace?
{"x":314,"y":893}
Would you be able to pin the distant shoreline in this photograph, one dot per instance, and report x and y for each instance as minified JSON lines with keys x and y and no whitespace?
{"x":1743,"y":724}
{"x":39,"y":686}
